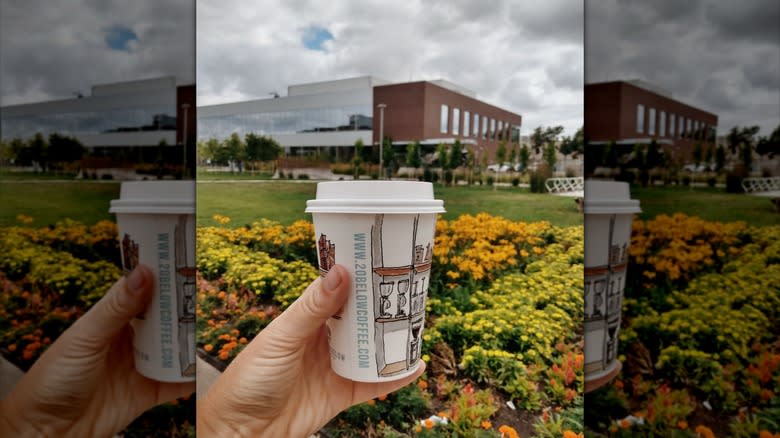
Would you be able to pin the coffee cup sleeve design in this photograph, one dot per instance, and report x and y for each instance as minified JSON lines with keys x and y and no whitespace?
{"x":185,"y":298}
{"x":130,"y":260}
{"x":326,"y":250}
{"x":399,"y":302}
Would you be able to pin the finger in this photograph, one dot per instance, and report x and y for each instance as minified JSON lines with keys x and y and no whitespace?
{"x":127,"y":298}
{"x":367,"y":391}
{"x":321,"y":300}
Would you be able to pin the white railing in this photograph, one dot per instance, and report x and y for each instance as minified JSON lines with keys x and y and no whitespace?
{"x":566,"y":186}
{"x":755,"y":184}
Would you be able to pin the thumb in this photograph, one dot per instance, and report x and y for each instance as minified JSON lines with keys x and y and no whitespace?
{"x":321,"y":300}
{"x":127,"y":298}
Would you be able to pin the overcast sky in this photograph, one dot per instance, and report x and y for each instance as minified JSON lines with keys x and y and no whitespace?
{"x":525,"y":57}
{"x":50,"y":50}
{"x":721,"y":56}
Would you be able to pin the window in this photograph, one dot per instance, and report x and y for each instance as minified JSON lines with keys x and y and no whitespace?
{"x":662,"y":124}
{"x":688,"y":128}
{"x":466,"y":123}
{"x":443,"y":122}
{"x":696,"y":129}
{"x":456,"y":121}
{"x":492,"y":132}
{"x":500,"y":130}
{"x":476,"y":125}
{"x":681,"y":127}
{"x":484,"y":127}
{"x":651,"y":122}
{"x":671,"y":125}
{"x":640,"y":118}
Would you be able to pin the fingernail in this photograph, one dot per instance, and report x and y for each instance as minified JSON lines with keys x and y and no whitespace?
{"x":332,"y":280}
{"x":135,"y":281}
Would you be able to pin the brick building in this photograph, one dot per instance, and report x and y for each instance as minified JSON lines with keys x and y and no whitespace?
{"x":631,"y":112}
{"x":440,"y":112}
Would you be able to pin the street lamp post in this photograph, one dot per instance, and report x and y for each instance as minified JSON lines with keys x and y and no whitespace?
{"x":185,"y":107}
{"x":381,"y":107}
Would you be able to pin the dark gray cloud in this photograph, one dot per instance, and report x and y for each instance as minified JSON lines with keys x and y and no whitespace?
{"x":524,"y":58}
{"x":49,"y":52}
{"x":718,"y":55}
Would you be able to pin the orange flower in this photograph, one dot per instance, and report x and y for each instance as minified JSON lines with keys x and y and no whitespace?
{"x":422,"y":384}
{"x":508,"y":432}
{"x":243,"y":340}
{"x":429,"y":424}
{"x":487,"y":425}
{"x":704,"y":432}
{"x":371,"y":402}
{"x":682,"y":424}
{"x":570,"y":434}
{"x":383,"y":397}
{"x":27,"y":355}
{"x":12,"y":347}
{"x":765,"y":434}
{"x":625,"y":424}
{"x":442,"y":414}
{"x":208,"y":347}
{"x":619,"y":384}
{"x":418,"y":428}
{"x":223,"y":355}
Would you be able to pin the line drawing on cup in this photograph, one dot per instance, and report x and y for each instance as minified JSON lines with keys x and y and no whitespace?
{"x":603,"y":290}
{"x":399,"y":302}
{"x":130,"y":260}
{"x":327,"y":255}
{"x":185,"y":294}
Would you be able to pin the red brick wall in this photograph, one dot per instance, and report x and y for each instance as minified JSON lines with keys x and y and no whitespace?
{"x":413,"y":111}
{"x":610,"y":114}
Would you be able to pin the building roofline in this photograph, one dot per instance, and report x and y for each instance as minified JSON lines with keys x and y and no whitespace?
{"x":645,"y":86}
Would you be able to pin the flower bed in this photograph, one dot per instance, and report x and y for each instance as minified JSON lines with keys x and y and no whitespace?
{"x":503,"y":323}
{"x":700,"y":331}
{"x":51,"y":276}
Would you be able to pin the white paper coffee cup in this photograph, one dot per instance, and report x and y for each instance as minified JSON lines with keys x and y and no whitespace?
{"x":609,"y":210}
{"x":383,"y":233}
{"x":156,"y":221}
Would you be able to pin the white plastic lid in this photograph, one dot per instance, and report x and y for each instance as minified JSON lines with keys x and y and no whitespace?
{"x":393,"y":197}
{"x":164,"y":197}
{"x":609,"y":197}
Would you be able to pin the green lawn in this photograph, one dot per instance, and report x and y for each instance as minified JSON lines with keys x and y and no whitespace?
{"x":285,"y":202}
{"x":50,"y":201}
{"x":707,"y":203}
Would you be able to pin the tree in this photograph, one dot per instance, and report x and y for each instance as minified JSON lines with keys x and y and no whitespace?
{"x":501,"y":154}
{"x":456,"y":155}
{"x":542,"y":137}
{"x":39,"y":151}
{"x":525,"y":155}
{"x":549,"y":155}
{"x":441,"y":154}
{"x":610,"y":158}
{"x":698,"y":153}
{"x":235,"y":149}
{"x":720,"y":158}
{"x":64,"y":149}
{"x":262,"y":148}
{"x":769,"y":145}
{"x":653,"y":157}
{"x":513,"y":156}
{"x":357,"y":159}
{"x":413,"y":159}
